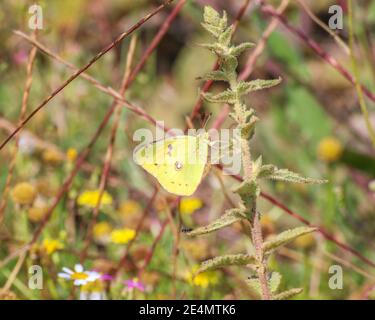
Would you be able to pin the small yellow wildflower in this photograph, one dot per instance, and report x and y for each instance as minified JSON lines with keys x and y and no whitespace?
{"x":79,"y":276}
{"x":129,"y":208}
{"x":52,"y":156}
{"x":23,"y":193}
{"x":101,"y":230}
{"x":50,"y":246}
{"x":122,"y":236}
{"x":190,"y":205}
{"x":203,"y":279}
{"x":329,"y":149}
{"x":71,"y":154}
{"x":90,"y":198}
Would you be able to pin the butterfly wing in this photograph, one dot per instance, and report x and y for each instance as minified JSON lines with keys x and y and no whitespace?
{"x":177,"y":163}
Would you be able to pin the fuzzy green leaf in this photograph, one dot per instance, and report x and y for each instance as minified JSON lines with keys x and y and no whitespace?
{"x":244,"y":87}
{"x":274,"y":281}
{"x":213,"y":23}
{"x":216,"y":75}
{"x":273,"y":173}
{"x":247,"y":130}
{"x":285,"y":237}
{"x":257,"y":165}
{"x":287,"y":294}
{"x":231,"y":216}
{"x":227,"y":96}
{"x":248,"y":191}
{"x":227,"y":260}
{"x":254,"y":284}
{"x":210,"y":46}
{"x":265,"y":171}
{"x":237,"y":50}
{"x":229,"y":64}
{"x":224,"y":38}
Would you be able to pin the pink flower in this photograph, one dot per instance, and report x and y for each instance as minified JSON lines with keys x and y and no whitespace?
{"x":134,"y":284}
{"x":20,"y":56}
{"x":107,"y":277}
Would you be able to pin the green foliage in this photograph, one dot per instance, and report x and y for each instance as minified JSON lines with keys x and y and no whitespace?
{"x":249,"y":189}
{"x":272,"y":172}
{"x":287,"y":294}
{"x":229,"y":217}
{"x":274,"y":282}
{"x":245,"y":87}
{"x":213,"y":23}
{"x":227,"y":260}
{"x":285,"y":237}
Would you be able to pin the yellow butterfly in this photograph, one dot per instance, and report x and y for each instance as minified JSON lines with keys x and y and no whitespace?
{"x":178,"y":162}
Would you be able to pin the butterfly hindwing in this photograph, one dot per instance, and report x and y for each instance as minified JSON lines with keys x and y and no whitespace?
{"x":177,"y":163}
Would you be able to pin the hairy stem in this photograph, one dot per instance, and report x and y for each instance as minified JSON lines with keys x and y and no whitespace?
{"x":256,"y":230}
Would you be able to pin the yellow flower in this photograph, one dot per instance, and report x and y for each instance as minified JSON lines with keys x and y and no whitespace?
{"x":71,"y":154}
{"x":36,"y":214}
{"x":23,"y":193}
{"x":52,"y":156}
{"x":102,"y":229}
{"x":122,"y":236}
{"x":329,"y":149}
{"x":90,"y":198}
{"x":130,"y":208}
{"x":190,"y":205}
{"x":203,"y":279}
{"x":50,"y":246}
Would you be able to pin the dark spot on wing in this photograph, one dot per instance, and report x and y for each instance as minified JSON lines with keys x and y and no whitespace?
{"x":170,"y":150}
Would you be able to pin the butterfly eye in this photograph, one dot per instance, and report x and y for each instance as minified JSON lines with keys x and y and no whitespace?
{"x":178,"y":165}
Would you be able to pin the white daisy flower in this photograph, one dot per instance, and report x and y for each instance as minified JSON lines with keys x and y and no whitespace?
{"x":79,"y":275}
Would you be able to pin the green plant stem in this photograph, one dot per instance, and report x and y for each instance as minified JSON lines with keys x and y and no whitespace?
{"x":256,"y":229}
{"x":256,"y":232}
{"x":358,"y":87}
